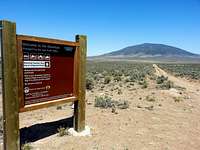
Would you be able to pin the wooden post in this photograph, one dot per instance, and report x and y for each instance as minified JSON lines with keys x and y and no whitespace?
{"x":79,"y":106}
{"x":10,"y":85}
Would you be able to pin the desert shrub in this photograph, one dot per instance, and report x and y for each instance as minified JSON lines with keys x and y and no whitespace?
{"x":161,"y":79}
{"x":59,"y":107}
{"x":117,"y":78}
{"x":150,"y":99}
{"x":104,"y":73}
{"x":107,"y":102}
{"x":167,"y":85}
{"x":127,"y":79}
{"x":133,"y":78}
{"x":26,"y":146}
{"x":137,"y":76}
{"x":177,"y":99}
{"x":97,"y":77}
{"x":103,"y":102}
{"x":107,"y":79}
{"x":153,"y":77}
{"x":117,"y":73}
{"x":143,"y":83}
{"x":62,"y":131}
{"x":89,"y":83}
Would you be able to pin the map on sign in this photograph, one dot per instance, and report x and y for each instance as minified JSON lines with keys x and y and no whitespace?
{"x":48,"y":71}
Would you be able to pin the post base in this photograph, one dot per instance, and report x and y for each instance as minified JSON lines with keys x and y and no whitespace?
{"x":85,"y":132}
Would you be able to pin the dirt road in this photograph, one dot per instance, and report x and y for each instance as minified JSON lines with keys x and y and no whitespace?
{"x":190,"y":86}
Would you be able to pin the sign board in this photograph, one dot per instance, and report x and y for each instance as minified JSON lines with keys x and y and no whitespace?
{"x":48,"y":71}
{"x":37,"y":73}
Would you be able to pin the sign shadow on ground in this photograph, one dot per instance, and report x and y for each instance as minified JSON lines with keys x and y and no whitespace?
{"x":43,"y":130}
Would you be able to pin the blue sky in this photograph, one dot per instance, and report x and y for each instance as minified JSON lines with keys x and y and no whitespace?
{"x":109,"y":24}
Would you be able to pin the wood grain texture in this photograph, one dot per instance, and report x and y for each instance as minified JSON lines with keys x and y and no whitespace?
{"x":46,"y":40}
{"x":48,"y":104}
{"x":10,"y":86}
{"x":79,"y":106}
{"x":21,"y":76}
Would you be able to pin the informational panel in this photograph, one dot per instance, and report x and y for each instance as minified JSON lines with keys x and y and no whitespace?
{"x":48,"y":71}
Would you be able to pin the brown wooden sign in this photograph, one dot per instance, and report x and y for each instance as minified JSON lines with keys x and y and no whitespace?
{"x":47,"y":73}
{"x":40,"y":72}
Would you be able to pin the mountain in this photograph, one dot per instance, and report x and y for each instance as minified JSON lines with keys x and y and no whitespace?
{"x":150,"y":50}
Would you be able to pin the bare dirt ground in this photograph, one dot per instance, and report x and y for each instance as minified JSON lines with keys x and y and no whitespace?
{"x":170,"y":122}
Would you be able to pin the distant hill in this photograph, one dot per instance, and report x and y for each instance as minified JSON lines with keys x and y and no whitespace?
{"x":150,"y":50}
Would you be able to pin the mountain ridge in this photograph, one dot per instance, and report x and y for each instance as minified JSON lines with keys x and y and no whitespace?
{"x":150,"y":50}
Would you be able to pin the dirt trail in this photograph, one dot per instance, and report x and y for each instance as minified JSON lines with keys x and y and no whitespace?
{"x":190,"y":86}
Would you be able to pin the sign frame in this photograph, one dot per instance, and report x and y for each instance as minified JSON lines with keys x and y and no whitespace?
{"x":39,"y":105}
{"x":12,"y":77}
